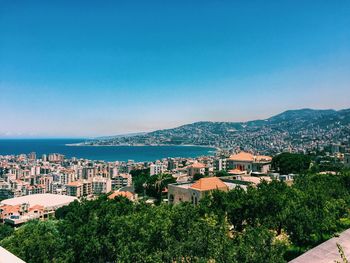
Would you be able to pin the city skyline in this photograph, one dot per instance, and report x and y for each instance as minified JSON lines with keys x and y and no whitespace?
{"x":86,"y":70}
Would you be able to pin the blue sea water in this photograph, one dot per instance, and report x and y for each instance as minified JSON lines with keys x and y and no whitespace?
{"x":105,"y":153}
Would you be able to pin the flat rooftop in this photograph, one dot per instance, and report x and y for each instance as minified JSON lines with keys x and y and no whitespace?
{"x":327,"y":252}
{"x":46,"y":200}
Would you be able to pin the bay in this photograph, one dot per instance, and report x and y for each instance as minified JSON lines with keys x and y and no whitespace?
{"x":105,"y":153}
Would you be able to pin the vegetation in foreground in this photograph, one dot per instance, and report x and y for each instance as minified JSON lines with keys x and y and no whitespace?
{"x":270,"y":223}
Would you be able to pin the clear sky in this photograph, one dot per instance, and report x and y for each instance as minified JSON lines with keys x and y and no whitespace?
{"x":91,"y":68}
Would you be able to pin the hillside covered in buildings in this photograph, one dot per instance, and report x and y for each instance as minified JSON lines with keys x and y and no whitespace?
{"x":293,"y":130}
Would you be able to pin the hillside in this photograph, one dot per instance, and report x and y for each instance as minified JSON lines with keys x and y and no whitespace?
{"x":293,"y":129}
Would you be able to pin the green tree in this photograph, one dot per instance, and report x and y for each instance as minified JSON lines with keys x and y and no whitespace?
{"x":221,"y":173}
{"x":286,"y":163}
{"x":258,"y":245}
{"x":157,"y":183}
{"x":139,"y":178}
{"x":36,"y":241}
{"x":317,"y":204}
{"x":5,"y":231}
{"x":272,"y":206}
{"x":198,"y":176}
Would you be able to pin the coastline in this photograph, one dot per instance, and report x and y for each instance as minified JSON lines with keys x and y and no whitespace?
{"x":143,"y":145}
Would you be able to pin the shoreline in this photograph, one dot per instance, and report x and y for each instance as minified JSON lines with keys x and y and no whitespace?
{"x":143,"y":145}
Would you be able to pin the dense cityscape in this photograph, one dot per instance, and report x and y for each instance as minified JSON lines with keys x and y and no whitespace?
{"x":28,"y":174}
{"x":41,"y":188}
{"x":295,"y":131}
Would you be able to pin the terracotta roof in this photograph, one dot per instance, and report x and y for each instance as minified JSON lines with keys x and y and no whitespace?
{"x":36,"y":207}
{"x":248,"y":157}
{"x":242,"y":156}
{"x":209,"y":183}
{"x":10,"y":208}
{"x":197,"y":165}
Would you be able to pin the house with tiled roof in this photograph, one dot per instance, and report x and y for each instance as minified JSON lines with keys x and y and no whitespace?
{"x":194,"y":192}
{"x":209,"y":184}
{"x":248,"y":162}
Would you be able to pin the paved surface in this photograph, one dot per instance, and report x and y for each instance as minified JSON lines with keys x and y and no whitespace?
{"x":8,"y":257}
{"x":327,"y":252}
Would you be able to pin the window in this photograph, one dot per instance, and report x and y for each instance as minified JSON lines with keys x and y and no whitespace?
{"x":171,"y":198}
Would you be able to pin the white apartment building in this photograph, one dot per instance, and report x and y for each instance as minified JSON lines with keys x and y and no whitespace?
{"x":157,"y":168}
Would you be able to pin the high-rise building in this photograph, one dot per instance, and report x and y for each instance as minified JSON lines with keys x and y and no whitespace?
{"x":44,"y":158}
{"x":88,"y":173}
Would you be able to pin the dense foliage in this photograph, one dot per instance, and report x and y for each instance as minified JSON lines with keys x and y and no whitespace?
{"x":287,"y":163}
{"x":263,"y":224}
{"x":5,"y":231}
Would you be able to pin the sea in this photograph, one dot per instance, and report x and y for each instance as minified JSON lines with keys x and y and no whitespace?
{"x":103,"y":153}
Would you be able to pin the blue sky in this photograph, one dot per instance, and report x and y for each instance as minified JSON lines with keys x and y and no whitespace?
{"x":91,"y":68}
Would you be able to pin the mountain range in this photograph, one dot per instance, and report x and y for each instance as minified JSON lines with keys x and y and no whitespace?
{"x":293,"y":130}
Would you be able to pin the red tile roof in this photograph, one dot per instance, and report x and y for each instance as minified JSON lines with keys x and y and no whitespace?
{"x":209,"y":183}
{"x":197,"y":165}
{"x":242,"y":156}
{"x":248,"y":157}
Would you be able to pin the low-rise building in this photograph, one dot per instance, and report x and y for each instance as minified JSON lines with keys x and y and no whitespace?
{"x":248,"y":162}
{"x":196,"y":168}
{"x":194,"y":192}
{"x":18,"y":210}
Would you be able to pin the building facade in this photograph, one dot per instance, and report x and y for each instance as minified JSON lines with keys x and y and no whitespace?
{"x":194,"y":192}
